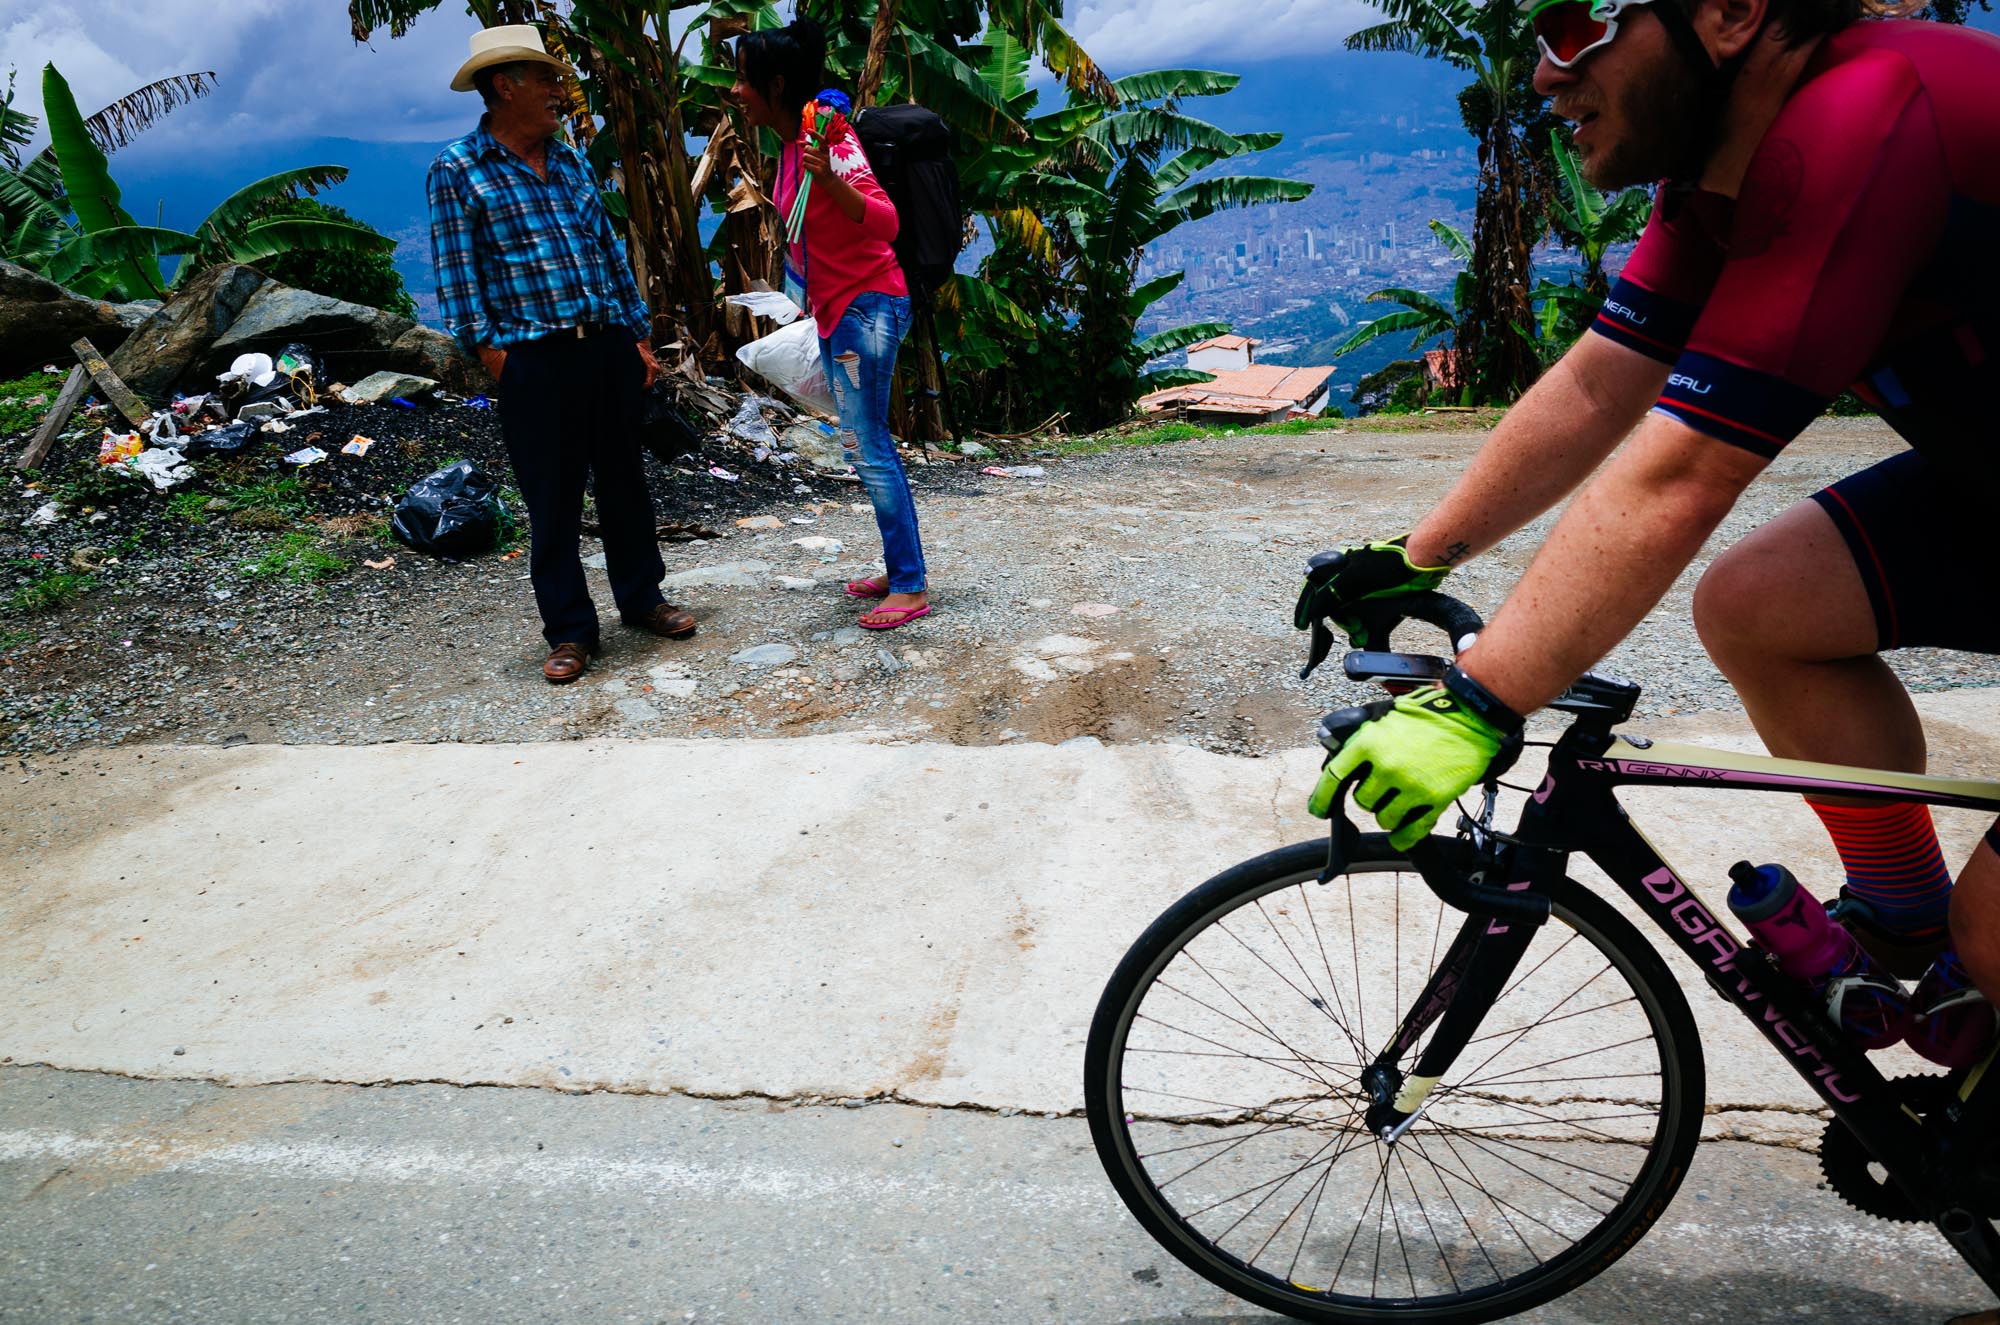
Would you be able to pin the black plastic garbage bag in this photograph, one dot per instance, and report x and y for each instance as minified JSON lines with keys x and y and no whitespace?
{"x":456,"y":512}
{"x":663,"y":428}
{"x":226,"y":440}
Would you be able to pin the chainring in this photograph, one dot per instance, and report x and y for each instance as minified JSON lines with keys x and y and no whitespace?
{"x":1852,"y":1172}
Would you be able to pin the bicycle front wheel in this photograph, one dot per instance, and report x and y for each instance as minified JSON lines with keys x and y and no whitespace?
{"x":1222,"y":1084}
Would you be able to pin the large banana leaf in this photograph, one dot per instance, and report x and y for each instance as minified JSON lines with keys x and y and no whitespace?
{"x":1424,"y":325}
{"x":1157,"y":129}
{"x":967,"y":302}
{"x":1152,"y":292}
{"x":250,"y":202}
{"x":1036,"y":23}
{"x":1208,"y":196}
{"x":1453,"y":239}
{"x":293,"y":234}
{"x":1002,"y":61}
{"x":1021,"y":226}
{"x":954,"y":89}
{"x":115,"y":248}
{"x":1162,"y":84}
{"x":87,"y":183}
{"x":1179,"y":338}
{"x":124,"y":119}
{"x":1160,"y":379}
{"x":364,"y":16}
{"x":1197,"y":159}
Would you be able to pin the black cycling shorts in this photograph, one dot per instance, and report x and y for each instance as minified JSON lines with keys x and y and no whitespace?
{"x":1917,"y":540}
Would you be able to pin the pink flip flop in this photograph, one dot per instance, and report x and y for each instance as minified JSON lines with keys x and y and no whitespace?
{"x":904,"y":616}
{"x":875,"y":586}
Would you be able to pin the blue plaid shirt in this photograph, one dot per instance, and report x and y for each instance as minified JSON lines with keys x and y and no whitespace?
{"x":519,"y":256}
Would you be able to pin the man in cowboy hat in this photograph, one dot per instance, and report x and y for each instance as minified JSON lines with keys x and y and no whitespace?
{"x":532,"y":278}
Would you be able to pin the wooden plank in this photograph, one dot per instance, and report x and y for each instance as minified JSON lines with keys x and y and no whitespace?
{"x":113,"y":386}
{"x":52,"y":423}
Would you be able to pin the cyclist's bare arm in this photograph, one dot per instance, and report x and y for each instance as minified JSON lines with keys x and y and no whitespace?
{"x":1612,"y":556}
{"x":1548,"y":444}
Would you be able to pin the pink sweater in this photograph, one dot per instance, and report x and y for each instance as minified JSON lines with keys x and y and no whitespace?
{"x":841,"y":258}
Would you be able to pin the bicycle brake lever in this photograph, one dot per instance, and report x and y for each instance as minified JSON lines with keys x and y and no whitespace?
{"x":1322,"y":644}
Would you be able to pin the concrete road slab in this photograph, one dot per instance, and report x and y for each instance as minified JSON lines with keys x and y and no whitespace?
{"x":828,"y":917}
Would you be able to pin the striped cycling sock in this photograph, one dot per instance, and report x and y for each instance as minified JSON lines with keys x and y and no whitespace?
{"x":1893,"y":863}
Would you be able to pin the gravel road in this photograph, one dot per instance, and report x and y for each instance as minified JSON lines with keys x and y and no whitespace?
{"x":1142,"y":594}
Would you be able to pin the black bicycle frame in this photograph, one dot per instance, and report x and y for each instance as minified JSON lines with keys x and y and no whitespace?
{"x":1574,"y":811}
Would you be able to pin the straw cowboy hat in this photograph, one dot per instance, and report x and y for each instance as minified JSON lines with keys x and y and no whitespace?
{"x":504,"y":45}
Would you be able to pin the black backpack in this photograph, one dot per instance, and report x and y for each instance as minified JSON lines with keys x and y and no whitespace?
{"x":909,"y":149}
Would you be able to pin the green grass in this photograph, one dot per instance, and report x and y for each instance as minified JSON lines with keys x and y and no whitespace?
{"x":191,"y":507}
{"x":1163,"y":434}
{"x":16,"y":415}
{"x":14,"y":639}
{"x":296,"y":558}
{"x":278,"y":496}
{"x":47,"y":591}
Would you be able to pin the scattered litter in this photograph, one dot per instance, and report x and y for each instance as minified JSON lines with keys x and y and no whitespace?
{"x":386,"y":563}
{"x":456,"y":512}
{"x":118,"y":446}
{"x":719,"y":472}
{"x":400,"y":401}
{"x":1014,"y":471}
{"x":44,"y":515}
{"x":161,"y":467}
{"x":358,"y":446}
{"x":262,"y":411}
{"x":664,"y":428}
{"x":749,"y":424}
{"x":306,"y":455}
{"x":803,"y":519}
{"x":276,"y":426}
{"x":163,"y":430}
{"x":254,"y":370}
{"x":789,"y":359}
{"x":221,"y":441}
{"x":479,"y":402}
{"x":771,"y":304}
{"x":1094,"y":609}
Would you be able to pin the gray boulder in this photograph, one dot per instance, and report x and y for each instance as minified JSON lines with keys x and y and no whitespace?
{"x":428,"y":352}
{"x":39,"y":319}
{"x":165,"y":348}
{"x":350,"y":339}
{"x":378,"y":387}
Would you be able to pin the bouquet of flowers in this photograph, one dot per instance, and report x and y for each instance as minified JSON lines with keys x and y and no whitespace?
{"x":822,"y":124}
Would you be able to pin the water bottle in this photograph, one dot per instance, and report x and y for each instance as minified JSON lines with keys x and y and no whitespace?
{"x":1871,"y":1007}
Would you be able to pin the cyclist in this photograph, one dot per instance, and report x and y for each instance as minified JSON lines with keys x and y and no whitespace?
{"x":1831,"y":183}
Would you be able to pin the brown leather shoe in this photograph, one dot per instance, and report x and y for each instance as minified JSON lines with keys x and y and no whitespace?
{"x":569,"y":661}
{"x":665,"y":619}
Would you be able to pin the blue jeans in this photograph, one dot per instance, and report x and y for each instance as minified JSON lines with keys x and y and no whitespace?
{"x":860,"y":363}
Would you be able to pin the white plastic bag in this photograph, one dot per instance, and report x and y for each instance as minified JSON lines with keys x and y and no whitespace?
{"x":788,"y":359}
{"x":770,"y":304}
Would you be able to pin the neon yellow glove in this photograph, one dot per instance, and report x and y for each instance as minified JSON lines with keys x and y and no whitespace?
{"x":1418,"y":757}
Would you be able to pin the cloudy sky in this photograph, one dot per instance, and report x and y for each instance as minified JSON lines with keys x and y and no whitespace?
{"x":289,"y":68}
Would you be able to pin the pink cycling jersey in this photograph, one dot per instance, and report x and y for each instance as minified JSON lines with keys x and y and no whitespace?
{"x":1859,"y":253}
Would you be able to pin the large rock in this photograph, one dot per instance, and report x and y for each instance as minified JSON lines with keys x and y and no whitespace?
{"x":165,"y":348}
{"x":39,"y":319}
{"x":352,"y":340}
{"x":428,"y":352}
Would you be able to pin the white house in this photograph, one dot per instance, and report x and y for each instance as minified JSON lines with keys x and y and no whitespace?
{"x":1221,"y":353}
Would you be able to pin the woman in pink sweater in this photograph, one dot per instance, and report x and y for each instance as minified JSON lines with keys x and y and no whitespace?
{"x":853,"y":288}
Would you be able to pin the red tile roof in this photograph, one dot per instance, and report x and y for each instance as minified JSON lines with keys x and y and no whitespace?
{"x":1260,"y":388}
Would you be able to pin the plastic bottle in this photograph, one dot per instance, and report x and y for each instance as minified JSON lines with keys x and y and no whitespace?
{"x":1871,"y":1007}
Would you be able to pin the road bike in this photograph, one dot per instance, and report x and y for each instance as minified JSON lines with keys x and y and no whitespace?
{"x":1349,"y":1083}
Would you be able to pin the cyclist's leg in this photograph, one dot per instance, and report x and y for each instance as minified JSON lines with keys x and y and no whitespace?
{"x":1975,"y":917}
{"x":1794,"y":617}
{"x":1787,"y":619}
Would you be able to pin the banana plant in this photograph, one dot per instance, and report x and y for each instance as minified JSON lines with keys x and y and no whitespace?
{"x":1424,"y":315}
{"x":93,"y":197}
{"x":238,"y":230}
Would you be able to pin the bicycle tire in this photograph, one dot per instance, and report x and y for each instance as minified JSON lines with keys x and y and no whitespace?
{"x":1123,"y":1079}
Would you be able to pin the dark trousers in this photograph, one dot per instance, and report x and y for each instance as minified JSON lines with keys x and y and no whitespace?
{"x":570,"y":409}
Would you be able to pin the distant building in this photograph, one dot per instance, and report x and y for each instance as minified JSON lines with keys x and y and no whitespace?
{"x":1222,"y":353}
{"x":1256,"y":393}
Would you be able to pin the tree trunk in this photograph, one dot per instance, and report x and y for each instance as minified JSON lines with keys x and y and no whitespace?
{"x":1496,"y":353}
{"x":873,"y":68}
